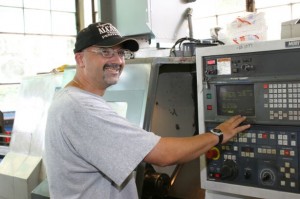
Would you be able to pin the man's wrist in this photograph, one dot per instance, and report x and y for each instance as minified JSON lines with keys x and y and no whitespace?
{"x":218,"y":133}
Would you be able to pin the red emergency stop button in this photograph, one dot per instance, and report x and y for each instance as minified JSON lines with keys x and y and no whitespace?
{"x":217,"y":175}
{"x":213,"y":153}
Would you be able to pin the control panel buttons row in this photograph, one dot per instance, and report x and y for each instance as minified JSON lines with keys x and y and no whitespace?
{"x":265,"y":137}
{"x":283,"y":85}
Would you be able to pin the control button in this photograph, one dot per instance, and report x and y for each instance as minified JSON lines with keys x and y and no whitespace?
{"x":293,"y":184}
{"x":211,"y":62}
{"x":283,"y":85}
{"x":292,"y":170}
{"x":265,"y":136}
{"x":208,"y":96}
{"x":284,"y":114}
{"x":259,"y":150}
{"x":209,"y":107}
{"x":293,"y":136}
{"x":286,"y":152}
{"x":217,"y":175}
{"x":235,"y":70}
{"x":287,"y":164}
{"x":213,"y":153}
{"x":293,"y":143}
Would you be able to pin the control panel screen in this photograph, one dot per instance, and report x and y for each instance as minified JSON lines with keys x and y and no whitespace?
{"x":235,"y":99}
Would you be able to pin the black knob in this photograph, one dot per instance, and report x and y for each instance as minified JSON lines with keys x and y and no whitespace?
{"x":247,"y":67}
{"x":266,"y":177}
{"x":247,"y":174}
{"x":229,"y":170}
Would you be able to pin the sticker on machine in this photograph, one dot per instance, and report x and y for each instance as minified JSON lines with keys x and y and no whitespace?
{"x":224,"y":66}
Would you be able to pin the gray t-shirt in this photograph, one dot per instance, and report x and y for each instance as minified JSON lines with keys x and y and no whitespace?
{"x":90,"y":150}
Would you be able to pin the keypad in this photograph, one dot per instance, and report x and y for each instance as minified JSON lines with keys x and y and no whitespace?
{"x":282,"y":101}
{"x":288,"y":173}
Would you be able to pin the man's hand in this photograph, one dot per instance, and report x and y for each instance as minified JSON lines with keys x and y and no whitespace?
{"x":231,"y":127}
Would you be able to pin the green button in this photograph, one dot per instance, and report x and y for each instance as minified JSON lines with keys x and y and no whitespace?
{"x":208,"y":96}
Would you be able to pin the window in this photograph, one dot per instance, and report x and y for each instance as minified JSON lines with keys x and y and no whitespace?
{"x":36,"y":36}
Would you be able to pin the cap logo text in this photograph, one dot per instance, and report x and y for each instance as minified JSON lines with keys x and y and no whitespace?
{"x":107,"y":30}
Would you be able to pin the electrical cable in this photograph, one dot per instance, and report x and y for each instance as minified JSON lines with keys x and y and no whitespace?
{"x":180,"y":41}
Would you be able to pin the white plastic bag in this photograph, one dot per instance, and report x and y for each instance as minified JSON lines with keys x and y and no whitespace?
{"x":249,"y":28}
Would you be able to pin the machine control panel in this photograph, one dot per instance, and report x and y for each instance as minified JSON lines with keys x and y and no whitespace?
{"x":262,"y":84}
{"x":261,"y":157}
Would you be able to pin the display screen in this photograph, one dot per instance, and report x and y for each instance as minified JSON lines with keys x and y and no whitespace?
{"x":235,"y":100}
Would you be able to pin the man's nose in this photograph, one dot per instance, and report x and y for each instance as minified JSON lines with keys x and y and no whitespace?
{"x":118,"y":58}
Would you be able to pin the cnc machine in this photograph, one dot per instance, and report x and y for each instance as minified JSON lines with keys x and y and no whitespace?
{"x":260,"y":81}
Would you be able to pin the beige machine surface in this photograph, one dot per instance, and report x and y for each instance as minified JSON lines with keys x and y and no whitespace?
{"x":19,"y":175}
{"x":22,"y":168}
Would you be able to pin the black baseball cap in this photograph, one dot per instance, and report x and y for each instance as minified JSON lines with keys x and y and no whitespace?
{"x":104,"y":35}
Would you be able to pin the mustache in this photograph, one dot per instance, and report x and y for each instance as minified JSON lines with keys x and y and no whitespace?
{"x":112,"y":67}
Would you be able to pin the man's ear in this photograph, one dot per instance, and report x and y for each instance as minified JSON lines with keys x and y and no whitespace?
{"x":79,"y":59}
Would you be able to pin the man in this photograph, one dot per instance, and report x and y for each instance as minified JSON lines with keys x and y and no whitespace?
{"x":91,"y":151}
